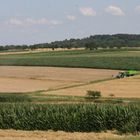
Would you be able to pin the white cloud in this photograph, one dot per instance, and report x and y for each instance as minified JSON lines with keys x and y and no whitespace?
{"x":31,"y":21}
{"x":71,"y":17}
{"x":15,"y":21}
{"x":55,"y":22}
{"x":137,"y":9}
{"x":87,"y":11}
{"x":114,"y":10}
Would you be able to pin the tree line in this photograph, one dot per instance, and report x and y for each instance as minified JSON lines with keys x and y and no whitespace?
{"x":92,"y":43}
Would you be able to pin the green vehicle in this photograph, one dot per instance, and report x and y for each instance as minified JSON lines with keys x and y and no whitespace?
{"x":128,"y":73}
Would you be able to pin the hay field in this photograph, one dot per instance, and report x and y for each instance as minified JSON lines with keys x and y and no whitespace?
{"x":127,"y":88}
{"x":27,"y":79}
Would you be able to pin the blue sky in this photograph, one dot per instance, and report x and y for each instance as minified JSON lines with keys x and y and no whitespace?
{"x":41,"y":21}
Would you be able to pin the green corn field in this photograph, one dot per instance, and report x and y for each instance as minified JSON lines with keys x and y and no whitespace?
{"x":70,"y":118}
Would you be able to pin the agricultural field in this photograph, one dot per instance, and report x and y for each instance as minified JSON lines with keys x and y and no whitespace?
{"x":29,"y":79}
{"x":38,"y":95}
{"x":60,"y":135}
{"x":66,"y":81}
{"x":79,"y":121}
{"x":107,"y":59}
{"x":123,"y":88}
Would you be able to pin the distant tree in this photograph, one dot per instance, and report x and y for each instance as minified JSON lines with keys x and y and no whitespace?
{"x":92,"y":43}
{"x":91,"y":46}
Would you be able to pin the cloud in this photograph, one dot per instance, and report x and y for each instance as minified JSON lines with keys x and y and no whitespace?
{"x":31,"y":21}
{"x":137,"y":9}
{"x":71,"y":17}
{"x":55,"y":22}
{"x":15,"y":21}
{"x":87,"y":11}
{"x":114,"y":10}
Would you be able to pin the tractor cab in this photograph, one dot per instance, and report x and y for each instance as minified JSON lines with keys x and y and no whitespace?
{"x":121,"y":74}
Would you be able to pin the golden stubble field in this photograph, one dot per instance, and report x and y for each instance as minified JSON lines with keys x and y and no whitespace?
{"x":51,"y":135}
{"x":29,"y":51}
{"x":50,"y":79}
{"x":28,"y":79}
{"x":127,"y":88}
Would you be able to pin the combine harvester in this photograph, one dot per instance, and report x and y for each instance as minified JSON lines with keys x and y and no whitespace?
{"x":128,"y":73}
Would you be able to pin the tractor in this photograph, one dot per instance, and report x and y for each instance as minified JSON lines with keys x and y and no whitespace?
{"x":128,"y":73}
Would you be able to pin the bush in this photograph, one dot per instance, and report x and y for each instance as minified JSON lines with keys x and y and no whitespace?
{"x":93,"y":94}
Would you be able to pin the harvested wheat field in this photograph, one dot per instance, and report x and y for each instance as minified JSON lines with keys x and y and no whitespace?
{"x":127,"y":87}
{"x":51,"y":135}
{"x":28,"y":51}
{"x":27,"y":79}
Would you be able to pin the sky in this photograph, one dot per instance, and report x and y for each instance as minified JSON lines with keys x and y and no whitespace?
{"x":44,"y":21}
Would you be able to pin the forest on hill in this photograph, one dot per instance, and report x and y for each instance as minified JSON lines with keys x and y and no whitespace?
{"x":92,"y":43}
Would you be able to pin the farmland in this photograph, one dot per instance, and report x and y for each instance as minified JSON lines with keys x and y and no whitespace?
{"x":117,"y":59}
{"x":36,"y":93}
{"x":60,"y":135}
{"x":126,"y":88}
{"x":85,"y":119}
{"x":28,"y":79}
{"x":70,"y":81}
{"x":70,"y":118}
{"x":70,"y":70}
{"x":66,"y":81}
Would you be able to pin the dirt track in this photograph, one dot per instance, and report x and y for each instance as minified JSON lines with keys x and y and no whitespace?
{"x":50,"y":135}
{"x":26,"y":79}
